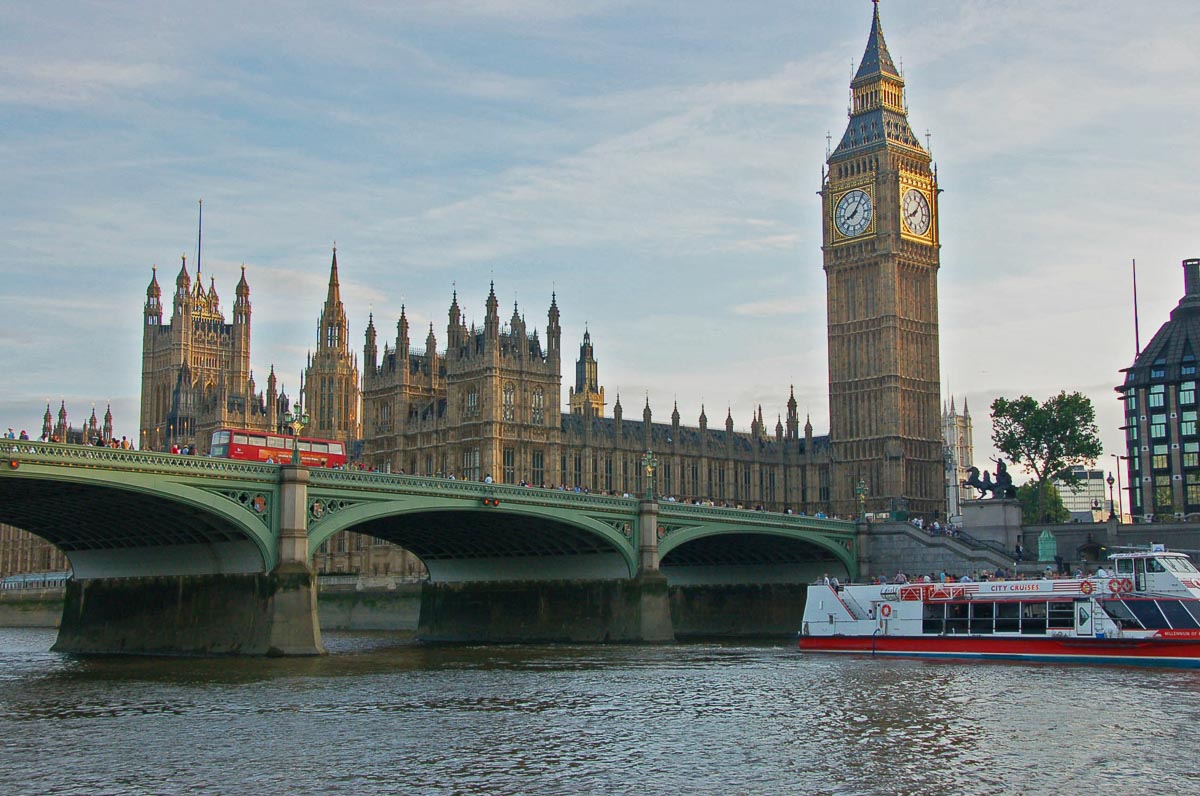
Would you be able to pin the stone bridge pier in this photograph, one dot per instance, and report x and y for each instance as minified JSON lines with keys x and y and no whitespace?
{"x":193,"y":612}
{"x":583,"y":609}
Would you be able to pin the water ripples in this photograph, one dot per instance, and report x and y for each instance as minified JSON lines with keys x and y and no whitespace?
{"x":385,"y":715}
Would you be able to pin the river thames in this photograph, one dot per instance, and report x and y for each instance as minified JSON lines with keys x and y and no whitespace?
{"x":383,"y":715}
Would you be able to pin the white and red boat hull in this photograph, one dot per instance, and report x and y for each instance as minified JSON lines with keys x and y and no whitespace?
{"x":1172,"y":652}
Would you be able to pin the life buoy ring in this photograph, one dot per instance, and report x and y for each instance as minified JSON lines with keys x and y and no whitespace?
{"x":1114,"y":585}
{"x":1086,"y":587}
{"x":1126,"y":584}
{"x":885,"y":611}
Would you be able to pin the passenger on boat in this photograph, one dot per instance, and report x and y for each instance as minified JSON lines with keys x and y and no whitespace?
{"x":1101,"y":572}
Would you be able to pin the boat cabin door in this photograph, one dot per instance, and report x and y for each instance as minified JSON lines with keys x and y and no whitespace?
{"x":1085,"y":611}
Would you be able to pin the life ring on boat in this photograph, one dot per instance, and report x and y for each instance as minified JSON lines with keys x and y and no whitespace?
{"x":1086,"y":587}
{"x":1114,"y":585}
{"x":885,"y":611}
{"x":1126,"y":584}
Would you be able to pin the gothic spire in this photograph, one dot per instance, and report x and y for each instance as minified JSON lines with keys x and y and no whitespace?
{"x":334,"y":296}
{"x":878,"y":117}
{"x":876,"y":59}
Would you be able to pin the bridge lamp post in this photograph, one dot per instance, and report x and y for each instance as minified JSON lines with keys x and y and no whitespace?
{"x":649,"y":466}
{"x":862,"y":492}
{"x":295,"y":420}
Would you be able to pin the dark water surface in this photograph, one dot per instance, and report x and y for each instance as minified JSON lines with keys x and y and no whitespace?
{"x":382,"y":715}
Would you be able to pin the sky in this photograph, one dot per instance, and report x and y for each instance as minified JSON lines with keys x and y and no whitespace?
{"x":653,"y":164}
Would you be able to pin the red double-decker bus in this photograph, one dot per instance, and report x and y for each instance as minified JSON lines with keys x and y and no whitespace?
{"x":262,"y":446}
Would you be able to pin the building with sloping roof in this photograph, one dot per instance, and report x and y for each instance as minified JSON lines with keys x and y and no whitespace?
{"x":1159,"y":392}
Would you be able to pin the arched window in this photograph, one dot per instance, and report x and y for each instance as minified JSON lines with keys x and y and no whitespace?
{"x":539,"y":408}
{"x":510,"y":401}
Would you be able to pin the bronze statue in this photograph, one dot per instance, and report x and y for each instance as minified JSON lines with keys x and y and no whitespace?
{"x":1002,"y":487}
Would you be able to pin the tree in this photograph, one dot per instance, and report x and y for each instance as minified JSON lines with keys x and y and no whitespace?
{"x":1048,"y":438}
{"x":1032,"y":513}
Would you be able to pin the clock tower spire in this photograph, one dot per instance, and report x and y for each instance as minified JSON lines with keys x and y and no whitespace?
{"x":881,"y":258}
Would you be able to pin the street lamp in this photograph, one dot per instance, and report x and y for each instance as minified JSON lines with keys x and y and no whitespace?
{"x":1111,"y":506}
{"x":295,"y":420}
{"x":862,"y":492}
{"x":649,"y":465}
{"x":1120,"y":500}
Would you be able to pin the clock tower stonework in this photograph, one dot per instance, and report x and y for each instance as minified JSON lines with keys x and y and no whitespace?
{"x":880,"y":244}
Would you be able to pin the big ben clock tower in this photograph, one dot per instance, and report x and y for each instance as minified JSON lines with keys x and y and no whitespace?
{"x":880,"y":244}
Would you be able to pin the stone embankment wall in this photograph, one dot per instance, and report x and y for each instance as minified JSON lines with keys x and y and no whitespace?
{"x":31,"y":607}
{"x":899,"y":547}
{"x":375,"y":606}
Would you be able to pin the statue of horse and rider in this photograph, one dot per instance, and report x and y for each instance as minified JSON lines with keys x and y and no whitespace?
{"x":1002,"y":487}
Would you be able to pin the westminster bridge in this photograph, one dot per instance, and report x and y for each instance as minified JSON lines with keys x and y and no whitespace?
{"x":183,"y":554}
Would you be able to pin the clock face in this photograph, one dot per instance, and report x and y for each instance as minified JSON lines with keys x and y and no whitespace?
{"x":853,"y":213}
{"x":916,"y":212}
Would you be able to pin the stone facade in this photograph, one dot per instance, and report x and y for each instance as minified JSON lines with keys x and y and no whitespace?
{"x":959,"y":454}
{"x":331,"y":392}
{"x":196,"y":368}
{"x":22,"y":553}
{"x":881,"y":261}
{"x":488,"y":407}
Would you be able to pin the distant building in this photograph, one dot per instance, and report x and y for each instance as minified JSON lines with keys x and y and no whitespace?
{"x":1161,"y":433}
{"x":331,"y":391}
{"x":90,"y":433}
{"x":1090,"y":503}
{"x":22,"y":553}
{"x":196,"y":368}
{"x":959,"y":453}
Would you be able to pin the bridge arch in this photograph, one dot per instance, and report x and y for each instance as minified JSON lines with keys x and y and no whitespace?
{"x":753,"y":552}
{"x":125,"y":522}
{"x":460,"y":539}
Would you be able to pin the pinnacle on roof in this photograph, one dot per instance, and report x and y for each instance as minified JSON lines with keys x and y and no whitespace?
{"x":153,"y":290}
{"x":184,"y":279}
{"x":335,"y":295}
{"x":243,"y":287}
{"x":876,"y":58}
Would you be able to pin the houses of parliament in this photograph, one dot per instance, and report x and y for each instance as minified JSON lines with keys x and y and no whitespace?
{"x":488,"y":400}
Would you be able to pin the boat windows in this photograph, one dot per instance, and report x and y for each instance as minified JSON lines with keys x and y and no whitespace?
{"x":957,"y":617}
{"x":1033,"y":618}
{"x":1008,"y":617}
{"x":933,"y":619}
{"x":982,"y":614}
{"x":1181,"y":565}
{"x":1060,"y":616}
{"x":1120,"y":613}
{"x":1177,"y":614}
{"x":1147,"y":614}
{"x":1124,"y":566}
{"x":1154,"y":565}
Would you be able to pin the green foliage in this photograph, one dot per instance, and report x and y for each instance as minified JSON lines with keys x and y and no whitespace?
{"x":1054,"y":512}
{"x":1047,"y":438}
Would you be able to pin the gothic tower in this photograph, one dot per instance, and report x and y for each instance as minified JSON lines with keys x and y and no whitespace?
{"x":880,"y":244}
{"x":587,"y":392}
{"x":331,"y":388}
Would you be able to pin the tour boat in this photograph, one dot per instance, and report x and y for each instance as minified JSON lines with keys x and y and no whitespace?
{"x":1145,"y":611}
